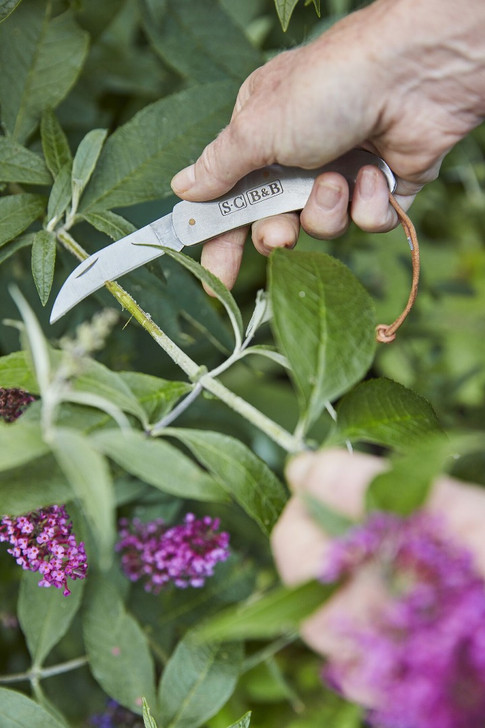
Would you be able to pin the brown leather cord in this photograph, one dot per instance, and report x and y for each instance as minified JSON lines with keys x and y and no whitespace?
{"x":384,"y":333}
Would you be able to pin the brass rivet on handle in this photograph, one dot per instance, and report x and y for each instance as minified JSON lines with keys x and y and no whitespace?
{"x":191,"y":221}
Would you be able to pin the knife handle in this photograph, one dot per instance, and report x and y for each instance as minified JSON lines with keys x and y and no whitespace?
{"x":265,"y":192}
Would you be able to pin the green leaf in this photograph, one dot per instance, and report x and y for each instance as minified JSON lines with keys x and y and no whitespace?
{"x":218,"y":47}
{"x":243,"y":722}
{"x":173,"y":129}
{"x":275,"y":613}
{"x":61,"y":194}
{"x":157,"y":396}
{"x":11,"y":248}
{"x":17,"y":212}
{"x":117,"y":648}
{"x":18,"y":164}
{"x":87,"y":154}
{"x":285,"y":8}
{"x":88,"y":474}
{"x":39,"y":71}
{"x":7,"y":7}
{"x":197,"y":681}
{"x":384,"y":412}
{"x":20,"y":442}
{"x":34,"y":485}
{"x":242,"y":475}
{"x":324,"y":324}
{"x":45,"y":614}
{"x":159,"y":464}
{"x":218,"y":287}
{"x":16,"y":372}
{"x":38,"y":349}
{"x":148,"y":719}
{"x":43,"y":263}
{"x":54,"y":143}
{"x":19,"y":711}
{"x":110,"y":223}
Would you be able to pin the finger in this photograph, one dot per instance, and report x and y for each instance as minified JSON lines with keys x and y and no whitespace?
{"x":223,"y":255}
{"x":278,"y":231}
{"x":370,"y":208}
{"x":326,"y":213}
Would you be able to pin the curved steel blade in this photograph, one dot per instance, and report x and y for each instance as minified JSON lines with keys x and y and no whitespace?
{"x":114,"y":261}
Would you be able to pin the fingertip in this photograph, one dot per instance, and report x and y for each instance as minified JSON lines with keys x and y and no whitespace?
{"x":370,"y":208}
{"x":222,"y":257}
{"x":280,"y":231}
{"x":183,"y":181}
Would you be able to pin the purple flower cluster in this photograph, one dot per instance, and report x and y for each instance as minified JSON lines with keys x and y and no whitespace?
{"x":13,"y":402}
{"x":184,"y":555}
{"x":43,"y":541}
{"x":424,"y":653}
{"x":115,"y":716}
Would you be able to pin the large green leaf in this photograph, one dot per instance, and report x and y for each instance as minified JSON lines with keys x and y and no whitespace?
{"x":117,"y":648}
{"x":386,"y":413}
{"x":197,"y":681}
{"x":54,"y":143}
{"x":7,"y":7}
{"x":39,"y":69}
{"x":17,"y":212}
{"x":20,"y":442}
{"x":19,"y":711}
{"x":139,"y":159}
{"x":88,"y":474}
{"x":45,"y":614}
{"x":218,"y":47}
{"x":324,"y":323}
{"x":241,"y":473}
{"x":16,"y":372}
{"x":33,"y":485}
{"x":43,"y":263}
{"x":158,"y":463}
{"x":278,"y":612}
{"x":18,"y":164}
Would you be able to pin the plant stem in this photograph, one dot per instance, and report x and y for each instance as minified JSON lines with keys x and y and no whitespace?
{"x":39,"y":673}
{"x":195,"y":373}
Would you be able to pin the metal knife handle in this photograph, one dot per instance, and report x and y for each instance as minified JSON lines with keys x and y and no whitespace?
{"x":265,"y":192}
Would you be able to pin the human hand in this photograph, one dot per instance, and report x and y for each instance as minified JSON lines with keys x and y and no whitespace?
{"x":301,"y":549}
{"x":388,"y":78}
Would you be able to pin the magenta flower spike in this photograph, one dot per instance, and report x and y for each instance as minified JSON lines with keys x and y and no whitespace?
{"x":423,"y":655}
{"x":184,"y":555}
{"x":43,"y":541}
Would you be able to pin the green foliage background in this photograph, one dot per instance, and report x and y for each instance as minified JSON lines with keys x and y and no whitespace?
{"x":100,"y":103}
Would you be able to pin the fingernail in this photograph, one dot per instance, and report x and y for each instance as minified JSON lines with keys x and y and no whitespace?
{"x":328,"y":195}
{"x":368,"y":183}
{"x":183,"y":180}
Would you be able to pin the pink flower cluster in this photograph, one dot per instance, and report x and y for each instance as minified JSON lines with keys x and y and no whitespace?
{"x":424,"y":652}
{"x":43,"y":541}
{"x":184,"y":555}
{"x":13,"y":402}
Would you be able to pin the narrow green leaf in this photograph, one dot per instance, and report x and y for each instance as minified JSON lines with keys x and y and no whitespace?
{"x":17,"y":212}
{"x":218,"y":287}
{"x":197,"y":681}
{"x":269,"y":353}
{"x":43,"y":263}
{"x":110,"y":223}
{"x":61,"y":194}
{"x":9,"y":249}
{"x":159,"y":464}
{"x":88,"y":474}
{"x":87,"y":154}
{"x":18,"y":164}
{"x":38,"y":72}
{"x":20,"y":442}
{"x":241,"y":473}
{"x":173,"y":129}
{"x":117,"y":648}
{"x":7,"y":7}
{"x":157,"y":396}
{"x":275,"y":613}
{"x":148,"y":719}
{"x":37,"y":343}
{"x":384,"y":412}
{"x":243,"y":722}
{"x":54,"y":143}
{"x":45,"y":614}
{"x":218,"y":46}
{"x":285,"y":8}
{"x":324,"y":323}
{"x":33,"y":485}
{"x":19,"y":711}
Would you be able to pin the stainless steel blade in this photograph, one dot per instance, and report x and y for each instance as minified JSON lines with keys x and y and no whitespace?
{"x":114,"y":261}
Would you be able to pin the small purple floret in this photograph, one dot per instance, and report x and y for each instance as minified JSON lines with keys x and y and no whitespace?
{"x":43,"y":541}
{"x":13,"y":402}
{"x":184,"y":555}
{"x":424,"y":653}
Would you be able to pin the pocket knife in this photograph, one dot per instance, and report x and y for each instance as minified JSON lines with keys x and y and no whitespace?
{"x":268,"y":191}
